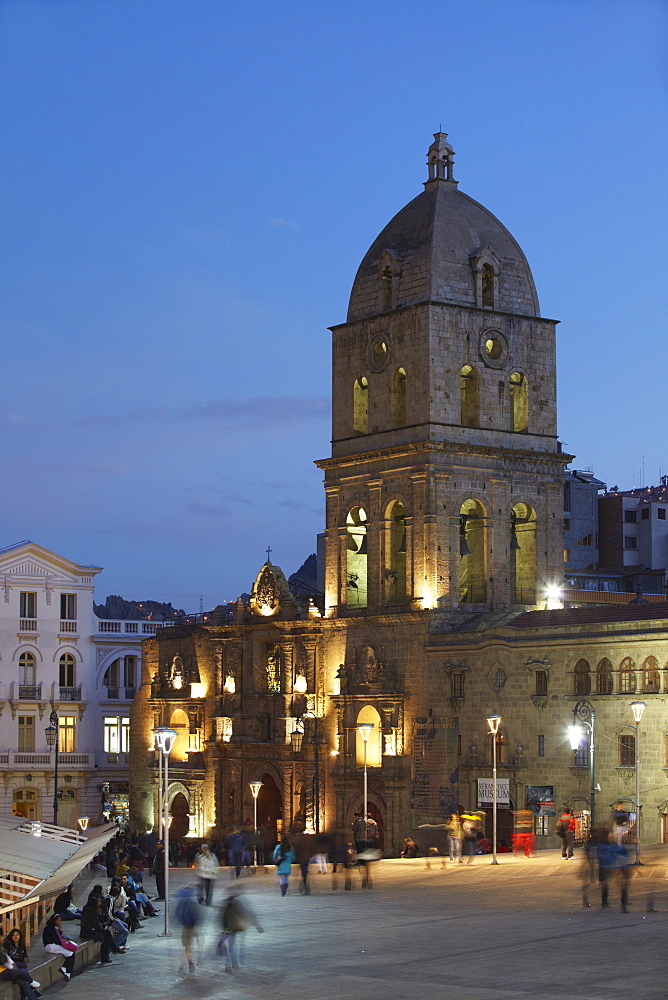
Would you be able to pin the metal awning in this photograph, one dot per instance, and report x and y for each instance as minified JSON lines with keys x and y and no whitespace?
{"x":39,"y":860}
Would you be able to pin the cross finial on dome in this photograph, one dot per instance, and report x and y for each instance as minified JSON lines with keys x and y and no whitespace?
{"x":440,"y":159}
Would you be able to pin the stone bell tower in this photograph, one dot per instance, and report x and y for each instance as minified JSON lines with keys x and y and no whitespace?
{"x":444,"y":487}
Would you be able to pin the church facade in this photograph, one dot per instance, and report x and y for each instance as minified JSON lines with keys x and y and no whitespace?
{"x":444,"y":523}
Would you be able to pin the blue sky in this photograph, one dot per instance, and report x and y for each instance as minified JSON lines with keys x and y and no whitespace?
{"x":188,"y":187}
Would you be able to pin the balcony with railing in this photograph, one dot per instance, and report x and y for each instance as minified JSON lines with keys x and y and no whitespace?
{"x":29,"y":692}
{"x":67,"y":626}
{"x":19,"y":759}
{"x":121,"y":693}
{"x":70,"y":693}
{"x":27,"y":625}
{"x":140,"y":628}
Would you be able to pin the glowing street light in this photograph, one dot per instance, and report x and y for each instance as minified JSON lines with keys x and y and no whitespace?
{"x":83,"y":823}
{"x":255,"y":787}
{"x":494,"y":721}
{"x":583,"y":715}
{"x":365,"y":733}
{"x":638,"y":707}
{"x":53,"y":740}
{"x":165,"y":738}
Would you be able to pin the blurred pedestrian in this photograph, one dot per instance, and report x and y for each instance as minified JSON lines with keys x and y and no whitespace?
{"x":614,"y":863}
{"x":566,"y":833}
{"x":469,"y":834}
{"x":304,"y":845}
{"x":207,"y":871}
{"x":188,"y":915}
{"x":453,"y":828}
{"x":235,"y":917}
{"x":284,"y":857}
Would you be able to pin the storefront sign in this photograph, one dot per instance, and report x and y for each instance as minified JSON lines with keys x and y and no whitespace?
{"x":486,"y":791}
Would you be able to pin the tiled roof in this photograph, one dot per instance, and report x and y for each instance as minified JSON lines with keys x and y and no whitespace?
{"x":595,"y":613}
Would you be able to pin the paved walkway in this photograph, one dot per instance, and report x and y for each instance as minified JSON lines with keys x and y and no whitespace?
{"x":507,"y":932}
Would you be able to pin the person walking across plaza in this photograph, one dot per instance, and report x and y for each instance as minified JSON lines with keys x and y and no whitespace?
{"x":453,"y":828}
{"x":284,"y":858}
{"x":566,"y":833}
{"x":235,"y":917}
{"x":188,"y":915}
{"x":207,"y":872}
{"x":304,"y":847}
{"x":614,"y":863}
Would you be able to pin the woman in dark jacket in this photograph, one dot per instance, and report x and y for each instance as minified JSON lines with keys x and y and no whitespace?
{"x":93,"y":928}
{"x":15,"y":947}
{"x":54,"y":940}
{"x":20,"y":977}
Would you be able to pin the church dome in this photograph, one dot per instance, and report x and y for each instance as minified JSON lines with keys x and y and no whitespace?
{"x":443,"y":247}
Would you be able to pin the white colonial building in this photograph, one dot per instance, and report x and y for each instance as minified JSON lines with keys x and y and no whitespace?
{"x":57,"y":656}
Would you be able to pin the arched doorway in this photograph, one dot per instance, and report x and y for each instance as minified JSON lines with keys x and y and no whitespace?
{"x":270,"y":811}
{"x":180,"y":817}
{"x":377,"y":816}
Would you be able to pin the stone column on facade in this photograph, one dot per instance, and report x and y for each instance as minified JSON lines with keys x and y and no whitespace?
{"x":442,"y":539}
{"x":286,"y":648}
{"x":289,"y":783}
{"x":499,"y":545}
{"x":313,"y":679}
{"x":332,"y":550}
{"x":375,"y":592}
{"x":419,"y":507}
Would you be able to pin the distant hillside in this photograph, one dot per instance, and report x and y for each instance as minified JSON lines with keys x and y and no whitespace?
{"x":307,"y":574}
{"x":117,"y":608}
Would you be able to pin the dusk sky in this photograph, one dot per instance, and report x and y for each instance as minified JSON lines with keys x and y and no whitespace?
{"x":188,"y":187}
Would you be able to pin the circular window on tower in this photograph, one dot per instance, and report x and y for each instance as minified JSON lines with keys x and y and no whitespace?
{"x":379,"y":352}
{"x":493,"y":348}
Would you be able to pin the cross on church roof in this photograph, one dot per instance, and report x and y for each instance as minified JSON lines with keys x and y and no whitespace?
{"x":268,"y":553}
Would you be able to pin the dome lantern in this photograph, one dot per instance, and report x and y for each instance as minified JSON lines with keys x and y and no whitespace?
{"x":440,"y":159}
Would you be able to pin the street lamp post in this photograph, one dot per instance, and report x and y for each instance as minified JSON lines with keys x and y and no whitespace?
{"x":166,"y":737}
{"x":156,"y":730}
{"x":297,"y":739}
{"x":255,"y":787}
{"x":52,"y":738}
{"x":638,"y":707}
{"x":493,"y":721}
{"x":365,"y":733}
{"x":583,"y":714}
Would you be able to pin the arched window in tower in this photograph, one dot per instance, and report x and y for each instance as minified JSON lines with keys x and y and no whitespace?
{"x":519,"y":402}
{"x":394,"y":570}
{"x":487,"y":289}
{"x":468,"y":390}
{"x":523,"y":554}
{"x":386,"y":278}
{"x":472,"y":553}
{"x":399,"y":398}
{"x":582,"y":678}
{"x":356,"y":561}
{"x":361,"y":405}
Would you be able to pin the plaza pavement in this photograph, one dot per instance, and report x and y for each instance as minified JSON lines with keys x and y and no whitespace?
{"x":480,"y":932}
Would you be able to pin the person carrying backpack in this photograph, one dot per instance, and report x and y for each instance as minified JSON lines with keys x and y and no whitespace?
{"x":187,"y":913}
{"x":566,"y":833}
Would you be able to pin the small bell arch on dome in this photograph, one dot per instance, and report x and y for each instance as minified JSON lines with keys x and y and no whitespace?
{"x":440,"y":159}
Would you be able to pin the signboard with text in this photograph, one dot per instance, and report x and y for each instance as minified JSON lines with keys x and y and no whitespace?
{"x":486,"y":791}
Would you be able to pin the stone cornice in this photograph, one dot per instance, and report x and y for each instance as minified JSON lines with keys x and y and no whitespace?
{"x":558,"y":459}
{"x":487,"y":313}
